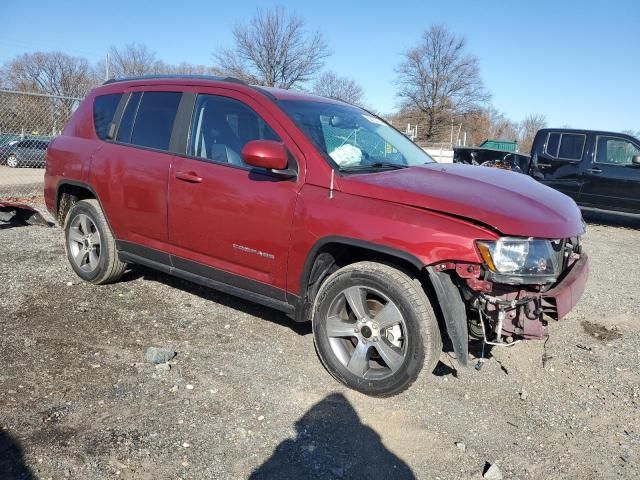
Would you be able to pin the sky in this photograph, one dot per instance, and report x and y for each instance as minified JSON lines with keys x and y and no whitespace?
{"x":577,"y":62}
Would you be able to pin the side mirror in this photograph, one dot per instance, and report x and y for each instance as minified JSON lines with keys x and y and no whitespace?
{"x":635,"y":160}
{"x":265,"y":154}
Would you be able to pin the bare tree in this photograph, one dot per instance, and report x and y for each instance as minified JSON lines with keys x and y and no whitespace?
{"x":528,"y":129}
{"x":54,"y":73}
{"x":438,"y":78}
{"x":133,"y":60}
{"x":185,"y":68}
{"x":273,"y":50}
{"x":342,"y":88}
{"x":632,"y":133}
{"x":487,"y":123}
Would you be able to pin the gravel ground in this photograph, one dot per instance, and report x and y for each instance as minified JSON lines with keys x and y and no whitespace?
{"x":247,"y":397}
{"x":18,"y":182}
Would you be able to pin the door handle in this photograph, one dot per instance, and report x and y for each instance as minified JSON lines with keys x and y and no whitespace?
{"x":542,"y":166}
{"x":190,"y":177}
{"x":595,"y":171}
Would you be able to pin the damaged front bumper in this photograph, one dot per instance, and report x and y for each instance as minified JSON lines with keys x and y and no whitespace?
{"x":525,"y":313}
{"x":505,"y":313}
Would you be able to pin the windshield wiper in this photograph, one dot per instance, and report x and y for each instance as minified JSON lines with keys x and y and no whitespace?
{"x":373,"y":166}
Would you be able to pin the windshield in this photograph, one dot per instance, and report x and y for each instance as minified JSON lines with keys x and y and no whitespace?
{"x":353,"y":139}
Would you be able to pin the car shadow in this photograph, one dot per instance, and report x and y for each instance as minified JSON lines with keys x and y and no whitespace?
{"x":12,"y":464}
{"x":611,"y":219}
{"x":209,"y":294}
{"x":332,"y":442}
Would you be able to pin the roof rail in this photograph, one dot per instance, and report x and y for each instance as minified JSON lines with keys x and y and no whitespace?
{"x":176,"y":77}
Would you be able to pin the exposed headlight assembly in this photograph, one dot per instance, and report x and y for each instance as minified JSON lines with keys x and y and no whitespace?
{"x":522,"y":260}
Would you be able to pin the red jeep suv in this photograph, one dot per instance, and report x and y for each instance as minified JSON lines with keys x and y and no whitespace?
{"x":316,"y":208}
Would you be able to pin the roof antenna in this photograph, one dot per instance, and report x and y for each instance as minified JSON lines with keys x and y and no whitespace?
{"x":331,"y":186}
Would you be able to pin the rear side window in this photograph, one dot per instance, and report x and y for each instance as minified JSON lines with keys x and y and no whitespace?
{"x":104,"y":108}
{"x":571,"y":146}
{"x":567,"y":146}
{"x":154,"y":121}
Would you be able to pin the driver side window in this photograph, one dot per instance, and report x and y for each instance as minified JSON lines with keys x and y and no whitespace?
{"x":615,"y":151}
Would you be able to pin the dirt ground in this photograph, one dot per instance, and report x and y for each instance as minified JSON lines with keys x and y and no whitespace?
{"x":247,"y":397}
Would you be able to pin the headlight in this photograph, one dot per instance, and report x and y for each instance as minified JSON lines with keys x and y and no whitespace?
{"x":522,"y":257}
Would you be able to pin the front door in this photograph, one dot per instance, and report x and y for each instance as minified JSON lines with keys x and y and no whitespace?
{"x":229,"y":221}
{"x":612,"y":181}
{"x":558,"y":165}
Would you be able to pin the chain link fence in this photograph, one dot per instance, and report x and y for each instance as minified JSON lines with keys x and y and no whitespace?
{"x":28,"y":122}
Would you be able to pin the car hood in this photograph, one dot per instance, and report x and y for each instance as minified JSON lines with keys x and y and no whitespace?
{"x":512,"y":203}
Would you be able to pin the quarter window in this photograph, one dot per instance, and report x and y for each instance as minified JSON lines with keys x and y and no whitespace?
{"x":222,"y":126}
{"x":104,"y":108}
{"x":154,"y":121}
{"x":616,"y":151}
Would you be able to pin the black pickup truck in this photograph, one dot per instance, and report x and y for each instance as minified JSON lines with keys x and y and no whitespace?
{"x":599,"y":170}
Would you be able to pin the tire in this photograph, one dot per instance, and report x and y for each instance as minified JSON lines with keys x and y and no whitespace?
{"x":352,"y":340}
{"x":90,"y":246}
{"x":12,"y":161}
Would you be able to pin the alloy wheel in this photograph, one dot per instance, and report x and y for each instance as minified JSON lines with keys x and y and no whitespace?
{"x":84,"y":243}
{"x":367,"y":332}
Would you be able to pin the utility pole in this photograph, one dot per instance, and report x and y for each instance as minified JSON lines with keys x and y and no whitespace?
{"x":106,"y":67}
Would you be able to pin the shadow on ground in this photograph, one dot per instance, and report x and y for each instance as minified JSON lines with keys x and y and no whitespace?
{"x":331,"y":442}
{"x":12,"y":465}
{"x":230,"y":301}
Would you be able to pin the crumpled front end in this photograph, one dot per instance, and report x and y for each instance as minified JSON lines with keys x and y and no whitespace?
{"x":512,"y":310}
{"x":526,"y":312}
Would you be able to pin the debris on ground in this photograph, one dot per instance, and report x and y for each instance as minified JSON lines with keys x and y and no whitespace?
{"x":159,"y":355}
{"x":492,"y":473}
{"x":21,"y":214}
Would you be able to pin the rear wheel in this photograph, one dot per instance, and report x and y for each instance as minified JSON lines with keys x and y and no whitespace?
{"x":374,"y":328}
{"x":91,"y":248}
{"x":12,"y":161}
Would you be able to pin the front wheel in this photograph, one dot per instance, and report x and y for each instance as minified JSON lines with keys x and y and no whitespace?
{"x":374,"y":328}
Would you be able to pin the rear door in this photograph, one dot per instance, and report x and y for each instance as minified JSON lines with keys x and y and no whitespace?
{"x":612,"y":181}
{"x":559,"y":163}
{"x":229,"y":221}
{"x":131,"y":169}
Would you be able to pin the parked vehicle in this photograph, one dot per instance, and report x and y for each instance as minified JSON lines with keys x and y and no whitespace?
{"x":316,"y":208}
{"x":598,"y":170}
{"x":28,"y":152}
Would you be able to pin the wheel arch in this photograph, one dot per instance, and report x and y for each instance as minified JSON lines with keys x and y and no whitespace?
{"x":441,"y":291}
{"x":69,"y":192}
{"x":333,"y":252}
